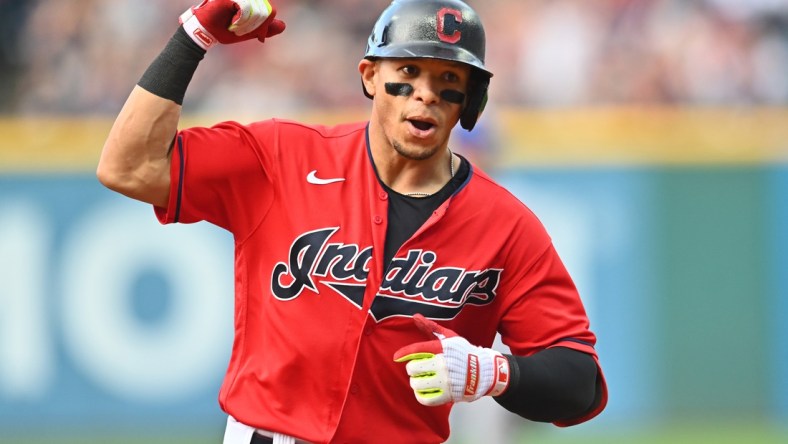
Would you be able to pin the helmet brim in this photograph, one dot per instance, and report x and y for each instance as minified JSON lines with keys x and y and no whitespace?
{"x":428,"y":50}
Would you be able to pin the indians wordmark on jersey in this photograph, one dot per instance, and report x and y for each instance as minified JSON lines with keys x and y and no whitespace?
{"x":412,"y":284}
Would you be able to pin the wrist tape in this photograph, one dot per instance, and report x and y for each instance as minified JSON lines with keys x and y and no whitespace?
{"x":170,"y":73}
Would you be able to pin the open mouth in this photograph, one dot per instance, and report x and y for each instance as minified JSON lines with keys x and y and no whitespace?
{"x":421,"y":124}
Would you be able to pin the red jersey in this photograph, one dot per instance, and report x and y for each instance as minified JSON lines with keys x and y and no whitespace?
{"x":319,"y":315}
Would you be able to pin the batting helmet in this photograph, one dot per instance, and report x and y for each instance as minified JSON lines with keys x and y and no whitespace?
{"x":440,"y":29}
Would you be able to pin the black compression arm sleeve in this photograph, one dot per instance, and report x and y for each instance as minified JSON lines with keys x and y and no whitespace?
{"x":552,"y":385}
{"x":170,"y":73}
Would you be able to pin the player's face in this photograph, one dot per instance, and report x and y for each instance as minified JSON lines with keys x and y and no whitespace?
{"x":413,"y":114}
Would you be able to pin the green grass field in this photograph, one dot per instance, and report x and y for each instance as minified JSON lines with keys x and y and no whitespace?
{"x":727,"y":433}
{"x":751,"y":433}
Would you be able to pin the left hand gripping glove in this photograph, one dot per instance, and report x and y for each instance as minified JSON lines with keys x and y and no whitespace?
{"x":230,"y":21}
{"x":451,"y":369}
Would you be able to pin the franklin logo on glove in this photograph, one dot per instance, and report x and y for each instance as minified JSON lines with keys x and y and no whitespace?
{"x":451,"y":369}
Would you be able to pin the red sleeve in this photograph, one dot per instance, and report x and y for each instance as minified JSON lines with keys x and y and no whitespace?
{"x":222,"y":175}
{"x":548,"y":312}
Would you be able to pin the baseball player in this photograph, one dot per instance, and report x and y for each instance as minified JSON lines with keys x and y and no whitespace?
{"x":373,"y":265}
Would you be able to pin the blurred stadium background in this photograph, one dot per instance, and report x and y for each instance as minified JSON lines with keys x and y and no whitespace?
{"x":651,"y":136}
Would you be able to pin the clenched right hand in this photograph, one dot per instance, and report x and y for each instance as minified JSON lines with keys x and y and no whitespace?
{"x":231,"y":21}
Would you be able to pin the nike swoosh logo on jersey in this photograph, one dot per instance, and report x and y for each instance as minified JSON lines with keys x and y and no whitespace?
{"x":313,"y":179}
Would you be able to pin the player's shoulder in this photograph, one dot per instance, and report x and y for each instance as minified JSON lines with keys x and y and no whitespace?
{"x":486,"y":191}
{"x":485,"y":187}
{"x":489,"y":204}
{"x":292,"y":127}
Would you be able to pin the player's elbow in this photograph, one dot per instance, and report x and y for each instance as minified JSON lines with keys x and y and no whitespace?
{"x":109,"y":172}
{"x":143,"y":179}
{"x":112,"y":180}
{"x":104,"y":175}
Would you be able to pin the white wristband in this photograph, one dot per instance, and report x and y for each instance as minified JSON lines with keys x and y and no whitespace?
{"x":196,"y":31}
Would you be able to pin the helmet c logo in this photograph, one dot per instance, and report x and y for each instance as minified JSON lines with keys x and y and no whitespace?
{"x":448,"y":21}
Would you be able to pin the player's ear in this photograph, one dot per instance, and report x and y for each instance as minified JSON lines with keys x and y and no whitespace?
{"x":368,"y":68}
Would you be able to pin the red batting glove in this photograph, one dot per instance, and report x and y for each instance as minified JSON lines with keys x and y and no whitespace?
{"x":230,"y":21}
{"x":451,"y":369}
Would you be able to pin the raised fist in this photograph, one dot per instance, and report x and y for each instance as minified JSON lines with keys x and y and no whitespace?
{"x":230,"y":21}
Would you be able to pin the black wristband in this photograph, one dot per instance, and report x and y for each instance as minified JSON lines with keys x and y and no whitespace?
{"x":169,"y":75}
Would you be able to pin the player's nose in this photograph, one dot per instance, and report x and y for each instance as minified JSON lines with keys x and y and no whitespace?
{"x":426,"y":90}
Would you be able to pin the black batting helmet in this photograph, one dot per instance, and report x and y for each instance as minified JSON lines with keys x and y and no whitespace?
{"x":439,"y":29}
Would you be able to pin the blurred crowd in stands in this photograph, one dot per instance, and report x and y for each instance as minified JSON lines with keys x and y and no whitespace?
{"x":84,"y":56}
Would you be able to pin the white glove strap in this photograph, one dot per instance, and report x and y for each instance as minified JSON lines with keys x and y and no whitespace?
{"x":474,"y":371}
{"x":500,"y":376}
{"x":196,"y":31}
